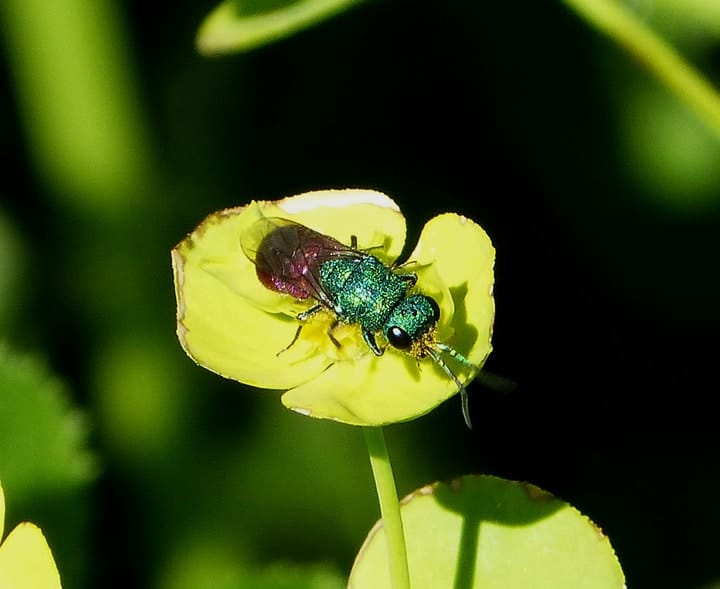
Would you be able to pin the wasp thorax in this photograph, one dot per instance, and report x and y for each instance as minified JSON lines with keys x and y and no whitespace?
{"x":410,"y":320}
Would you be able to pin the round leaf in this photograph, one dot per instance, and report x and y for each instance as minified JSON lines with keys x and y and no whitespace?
{"x":483,"y":532}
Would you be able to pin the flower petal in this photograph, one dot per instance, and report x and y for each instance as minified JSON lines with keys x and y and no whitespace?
{"x":228,"y":321}
{"x":26,"y":561}
{"x":464,"y":259}
{"x":371,"y":216}
{"x":377,"y":391}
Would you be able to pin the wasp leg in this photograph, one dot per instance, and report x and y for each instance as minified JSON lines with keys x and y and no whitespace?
{"x":411,"y":279}
{"x":333,"y":339}
{"x":304,"y":316}
{"x":464,"y":401}
{"x":369,"y":338}
{"x":354,"y":245}
{"x":292,"y":343}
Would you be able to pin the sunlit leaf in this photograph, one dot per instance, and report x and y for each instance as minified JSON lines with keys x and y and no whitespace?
{"x":678,"y":161}
{"x":482,"y":532}
{"x":696,"y":18}
{"x":241,"y":25}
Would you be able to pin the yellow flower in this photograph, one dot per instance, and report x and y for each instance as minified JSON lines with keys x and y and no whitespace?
{"x":25,"y":558}
{"x":231,"y":324}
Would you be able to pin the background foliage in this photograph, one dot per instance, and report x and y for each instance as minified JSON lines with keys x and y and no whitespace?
{"x":600,"y":190}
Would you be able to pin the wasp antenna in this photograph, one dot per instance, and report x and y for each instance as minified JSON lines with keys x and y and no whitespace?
{"x":497,"y":383}
{"x":459,"y":357}
{"x":465,"y":404}
{"x":437,"y":358}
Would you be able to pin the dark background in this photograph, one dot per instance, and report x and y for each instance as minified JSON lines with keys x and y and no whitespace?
{"x":516,"y":116}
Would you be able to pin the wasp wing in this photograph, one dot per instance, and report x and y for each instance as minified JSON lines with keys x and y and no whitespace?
{"x":288,"y":256}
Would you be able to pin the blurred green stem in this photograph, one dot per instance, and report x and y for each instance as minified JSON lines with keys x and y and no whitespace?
{"x":389,"y":507}
{"x":77,"y":93}
{"x":620,"y":24}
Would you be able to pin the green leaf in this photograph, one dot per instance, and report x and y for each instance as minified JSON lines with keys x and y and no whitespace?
{"x":241,"y":25}
{"x":677,"y":162}
{"x":484,"y":532}
{"x":622,"y":25}
{"x":45,"y":464}
{"x":42,"y":438}
{"x":695,"y":19}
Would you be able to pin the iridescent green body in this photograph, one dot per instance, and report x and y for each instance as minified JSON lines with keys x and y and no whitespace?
{"x":365,"y":291}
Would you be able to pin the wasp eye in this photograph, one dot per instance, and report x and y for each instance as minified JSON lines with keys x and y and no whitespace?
{"x":398,"y":338}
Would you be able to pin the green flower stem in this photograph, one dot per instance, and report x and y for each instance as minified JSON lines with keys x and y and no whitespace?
{"x":389,"y":507}
{"x":619,"y":23}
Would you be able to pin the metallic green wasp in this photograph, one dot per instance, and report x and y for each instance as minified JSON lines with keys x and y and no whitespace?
{"x":357,"y":287}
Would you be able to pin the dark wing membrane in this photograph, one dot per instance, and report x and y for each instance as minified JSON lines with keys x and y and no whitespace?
{"x":287,"y":256}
